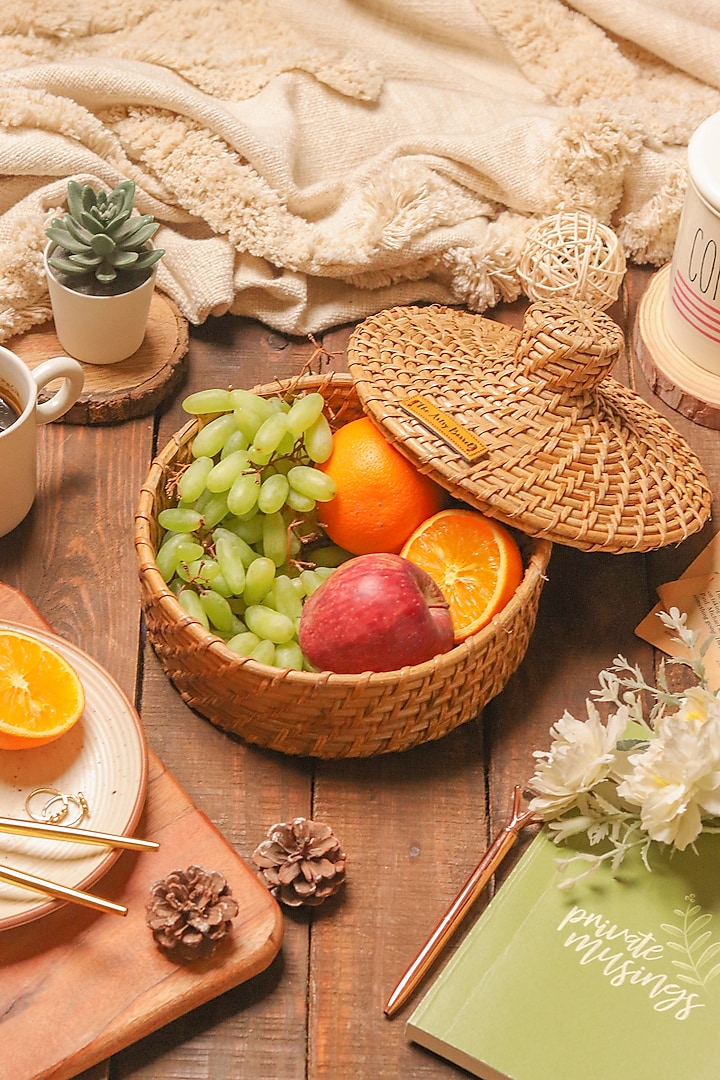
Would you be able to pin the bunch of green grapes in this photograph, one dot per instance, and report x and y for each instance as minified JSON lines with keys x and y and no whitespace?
{"x":245,"y":505}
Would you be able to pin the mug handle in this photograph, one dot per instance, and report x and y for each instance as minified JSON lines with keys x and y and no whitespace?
{"x":59,"y":367}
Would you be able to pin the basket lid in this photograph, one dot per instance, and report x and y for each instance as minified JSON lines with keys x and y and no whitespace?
{"x":528,"y":426}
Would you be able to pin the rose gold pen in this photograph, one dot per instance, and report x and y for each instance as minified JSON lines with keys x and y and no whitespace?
{"x":452,"y":918}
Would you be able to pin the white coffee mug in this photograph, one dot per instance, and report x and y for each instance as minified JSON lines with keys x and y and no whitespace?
{"x":692,"y":305}
{"x":19,"y":389}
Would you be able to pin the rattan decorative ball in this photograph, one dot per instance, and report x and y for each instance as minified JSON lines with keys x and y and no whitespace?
{"x":574,"y":256}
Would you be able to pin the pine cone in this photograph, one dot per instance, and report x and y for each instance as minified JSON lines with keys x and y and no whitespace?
{"x":301,"y":862}
{"x":190,"y":911}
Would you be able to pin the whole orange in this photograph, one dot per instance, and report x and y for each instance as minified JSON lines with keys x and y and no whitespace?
{"x":381,"y":496}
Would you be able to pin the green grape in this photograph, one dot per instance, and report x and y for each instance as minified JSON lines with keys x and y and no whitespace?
{"x":238,"y":626}
{"x":202,"y":572}
{"x":299,"y":586}
{"x":179,"y":520}
{"x":217,"y":610}
{"x":221,"y":586}
{"x":319,"y":440}
{"x":285,"y":598}
{"x":270,"y":624}
{"x":299,"y":502}
{"x":215,"y":509}
{"x":175,"y":548}
{"x":250,"y":411}
{"x":189,"y":601}
{"x":243,"y":495}
{"x":270,"y":433}
{"x":191,"y":483}
{"x":237,"y":440}
{"x":312,"y":483}
{"x":210,"y":439}
{"x":239,"y":546}
{"x":257,"y":458}
{"x":304,"y":411}
{"x":324,"y":571}
{"x":208,"y":401}
{"x":264,"y":653}
{"x":223,"y":475}
{"x":273,"y":493}
{"x":286,"y":448}
{"x":259,"y":577}
{"x":330,"y":555}
{"x":243,"y":643}
{"x":202,"y":500}
{"x":311,"y":581}
{"x":294,"y":545}
{"x":230,"y":556}
{"x":278,"y":404}
{"x":289,"y":656}
{"x":249,"y":525}
{"x":275,"y":538}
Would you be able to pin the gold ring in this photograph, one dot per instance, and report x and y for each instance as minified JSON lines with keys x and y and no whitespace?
{"x":51,"y":813}
{"x":45,"y":815}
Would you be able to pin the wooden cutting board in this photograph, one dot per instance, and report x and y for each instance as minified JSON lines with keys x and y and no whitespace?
{"x":77,"y":986}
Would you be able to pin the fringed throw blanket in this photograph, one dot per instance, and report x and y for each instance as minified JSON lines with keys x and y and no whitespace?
{"x":312,"y":162}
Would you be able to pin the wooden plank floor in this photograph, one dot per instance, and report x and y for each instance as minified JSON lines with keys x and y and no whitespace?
{"x":413,"y":824}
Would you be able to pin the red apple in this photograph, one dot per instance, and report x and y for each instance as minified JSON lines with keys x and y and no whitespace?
{"x":375,"y":613}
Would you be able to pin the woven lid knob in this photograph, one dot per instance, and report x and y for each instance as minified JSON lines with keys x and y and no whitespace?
{"x":568,"y":345}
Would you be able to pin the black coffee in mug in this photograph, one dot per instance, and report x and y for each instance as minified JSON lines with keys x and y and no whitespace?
{"x":9,"y":410}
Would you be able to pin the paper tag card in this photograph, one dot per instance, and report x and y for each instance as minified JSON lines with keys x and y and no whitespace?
{"x":696,"y":594}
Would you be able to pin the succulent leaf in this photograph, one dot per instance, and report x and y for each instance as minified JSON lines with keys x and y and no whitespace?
{"x":75,"y":198}
{"x":117,"y":222}
{"x":66,"y":267}
{"x":76,"y":230}
{"x":149,"y":258}
{"x":122,"y":259}
{"x":62,"y":236}
{"x":86,"y":260}
{"x":103,"y":245}
{"x":91,"y":223}
{"x":100,"y":235}
{"x":140,"y":236}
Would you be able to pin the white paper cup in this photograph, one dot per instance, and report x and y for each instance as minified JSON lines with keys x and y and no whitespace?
{"x":18,"y":443}
{"x":692,"y":306}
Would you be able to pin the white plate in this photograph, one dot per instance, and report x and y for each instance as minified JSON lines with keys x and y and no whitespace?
{"x":104,"y":756}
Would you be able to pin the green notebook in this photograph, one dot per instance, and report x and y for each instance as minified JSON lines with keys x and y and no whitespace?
{"x":614,"y":978}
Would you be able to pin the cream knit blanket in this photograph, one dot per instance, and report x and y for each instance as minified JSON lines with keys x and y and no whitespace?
{"x":313,"y":161}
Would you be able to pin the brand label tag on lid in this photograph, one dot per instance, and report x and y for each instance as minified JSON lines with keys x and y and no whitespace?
{"x":445,"y":427}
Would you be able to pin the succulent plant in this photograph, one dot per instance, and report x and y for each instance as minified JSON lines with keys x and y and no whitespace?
{"x":100,"y":237}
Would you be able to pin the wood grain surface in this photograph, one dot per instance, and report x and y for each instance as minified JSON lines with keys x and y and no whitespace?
{"x":413,"y":824}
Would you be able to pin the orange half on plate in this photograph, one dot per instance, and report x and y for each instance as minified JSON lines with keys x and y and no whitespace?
{"x":475,"y":561}
{"x":41,"y":693}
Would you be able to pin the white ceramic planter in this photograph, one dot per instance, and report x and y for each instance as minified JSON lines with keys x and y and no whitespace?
{"x":99,"y":329}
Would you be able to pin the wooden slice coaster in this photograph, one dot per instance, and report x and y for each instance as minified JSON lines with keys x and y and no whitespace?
{"x":131,"y":388}
{"x":681,"y":384}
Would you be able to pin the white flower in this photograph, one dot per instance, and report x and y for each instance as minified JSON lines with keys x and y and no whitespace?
{"x":582,"y":754}
{"x":677,"y":778}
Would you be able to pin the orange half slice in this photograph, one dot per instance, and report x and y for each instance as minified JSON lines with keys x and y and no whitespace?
{"x":41,"y":695}
{"x":475,"y":561}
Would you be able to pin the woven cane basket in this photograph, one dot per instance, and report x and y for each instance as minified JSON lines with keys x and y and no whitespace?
{"x":324,"y":715}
